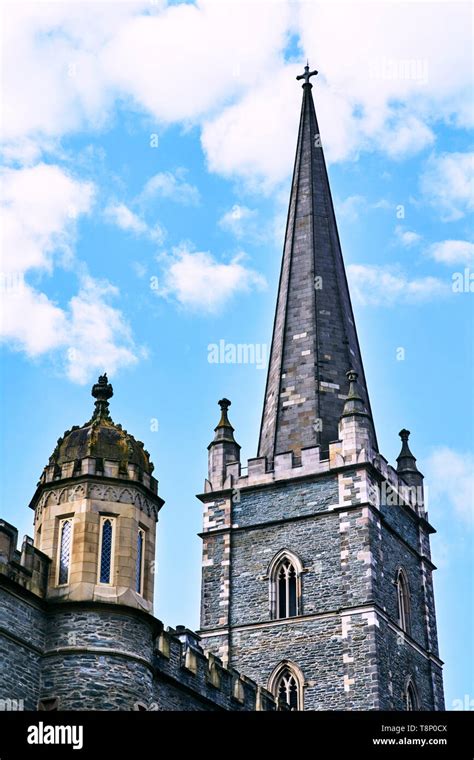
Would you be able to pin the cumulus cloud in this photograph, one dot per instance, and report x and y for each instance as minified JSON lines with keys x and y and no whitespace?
{"x":387,"y":286}
{"x":238,"y":220}
{"x":30,"y":322}
{"x":201,"y":283}
{"x":447,"y":182}
{"x":449,"y":476}
{"x":98,"y":335}
{"x":170,"y":185}
{"x":350,"y":207}
{"x":41,"y":206}
{"x":406,"y":237}
{"x":452,"y":252}
{"x":66,"y":73}
{"x":184,"y":61}
{"x":87,"y":335}
{"x":126,"y":219}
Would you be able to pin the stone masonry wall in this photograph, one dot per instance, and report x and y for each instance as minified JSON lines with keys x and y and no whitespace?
{"x":97,"y":659}
{"x":314,"y":541}
{"x":398,"y":661}
{"x":22,"y":634}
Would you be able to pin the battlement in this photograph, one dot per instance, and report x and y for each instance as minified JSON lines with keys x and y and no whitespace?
{"x":181,"y":657}
{"x":401,"y":491}
{"x":99,"y":467}
{"x":262,"y":471}
{"x":28,"y":567}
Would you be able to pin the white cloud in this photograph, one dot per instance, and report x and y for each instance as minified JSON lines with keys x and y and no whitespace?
{"x":120,"y":215}
{"x":406,"y":237}
{"x":185,"y":61}
{"x":400,"y":80}
{"x":30,"y":322}
{"x":406,"y":136}
{"x":88,"y":335}
{"x":450,"y":482}
{"x":98,"y":335}
{"x":263,"y":154}
{"x":237,"y":219}
{"x":139,"y":268}
{"x":200,"y":282}
{"x":170,"y":185}
{"x":41,"y":207}
{"x":452,"y":252}
{"x":350,"y":207}
{"x":386,"y":286}
{"x":447,"y":184}
{"x":64,"y":73}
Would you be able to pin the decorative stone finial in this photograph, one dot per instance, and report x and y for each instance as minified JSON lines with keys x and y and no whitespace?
{"x":224,"y":404}
{"x":354,"y":403}
{"x":224,"y":430}
{"x":102,"y":391}
{"x":404,"y":435}
{"x":223,"y":449}
{"x":307,"y":74}
{"x":406,"y":462}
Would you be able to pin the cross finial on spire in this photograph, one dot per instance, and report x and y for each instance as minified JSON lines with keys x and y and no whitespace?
{"x":307,"y":74}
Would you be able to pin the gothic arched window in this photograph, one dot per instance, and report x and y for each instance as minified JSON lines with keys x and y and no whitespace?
{"x":106,"y":550}
{"x":140,"y":561}
{"x":286,"y":684}
{"x":411,"y":697}
{"x":285,"y":585}
{"x":403,"y":601}
{"x":65,"y":543}
{"x":286,"y":593}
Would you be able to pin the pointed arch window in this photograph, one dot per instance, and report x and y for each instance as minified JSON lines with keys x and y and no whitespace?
{"x":65,"y":543}
{"x":403,"y":601}
{"x":106,"y":549}
{"x":286,"y":684}
{"x":285,"y":585}
{"x":140,"y":561}
{"x":411,"y":697}
{"x":286,"y":596}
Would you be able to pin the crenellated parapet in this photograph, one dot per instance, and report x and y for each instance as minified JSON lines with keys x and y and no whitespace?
{"x":181,"y":658}
{"x":28,"y":567}
{"x":378,"y":480}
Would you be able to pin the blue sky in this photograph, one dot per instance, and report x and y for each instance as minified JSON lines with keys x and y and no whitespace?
{"x":147,"y":162}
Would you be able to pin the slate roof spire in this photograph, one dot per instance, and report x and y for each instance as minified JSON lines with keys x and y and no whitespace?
{"x":314,"y":336}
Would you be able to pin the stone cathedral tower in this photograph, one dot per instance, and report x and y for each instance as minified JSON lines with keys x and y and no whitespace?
{"x":316,"y":572}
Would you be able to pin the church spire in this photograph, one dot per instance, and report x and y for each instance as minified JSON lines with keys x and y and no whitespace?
{"x":314,"y":336}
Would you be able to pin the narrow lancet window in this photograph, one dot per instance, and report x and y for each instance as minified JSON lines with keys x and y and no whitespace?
{"x":106,"y":551}
{"x":64,"y":551}
{"x":287,"y":590}
{"x":140,"y":557}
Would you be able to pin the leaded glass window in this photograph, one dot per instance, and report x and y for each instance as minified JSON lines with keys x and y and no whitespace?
{"x":403,"y":601}
{"x":65,"y":538}
{"x":286,"y":590}
{"x":106,"y":551}
{"x":288,"y":689}
{"x":139,"y":566}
